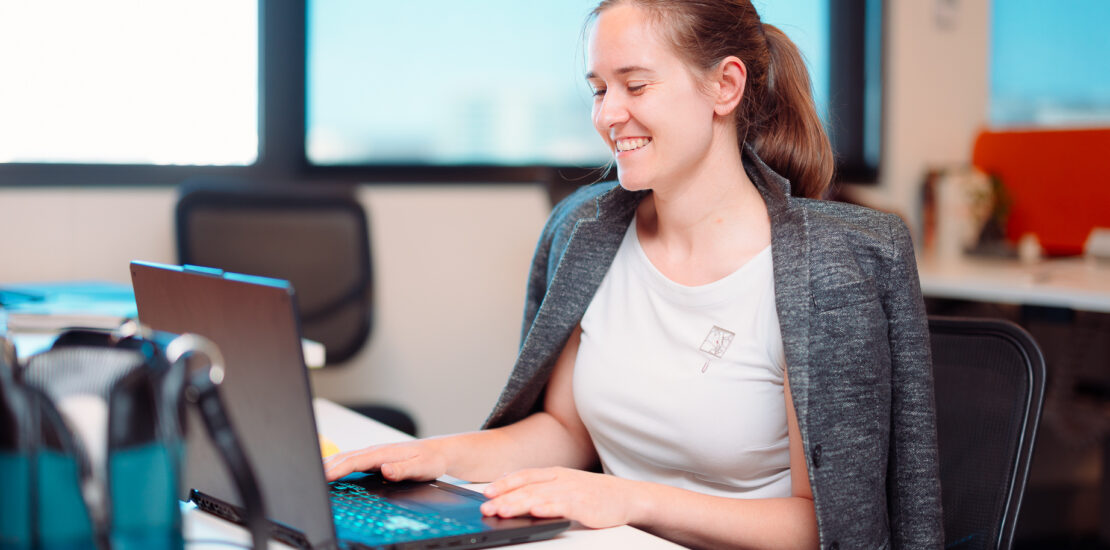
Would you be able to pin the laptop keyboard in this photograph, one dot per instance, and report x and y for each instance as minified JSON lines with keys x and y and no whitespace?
{"x":362,"y":516}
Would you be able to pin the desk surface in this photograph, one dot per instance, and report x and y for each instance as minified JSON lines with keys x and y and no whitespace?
{"x":350,"y":430}
{"x":1075,"y":283}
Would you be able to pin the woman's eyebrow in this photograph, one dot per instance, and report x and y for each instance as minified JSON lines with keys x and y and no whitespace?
{"x":623,"y":71}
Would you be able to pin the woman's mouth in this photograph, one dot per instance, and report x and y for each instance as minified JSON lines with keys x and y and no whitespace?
{"x":631,"y":144}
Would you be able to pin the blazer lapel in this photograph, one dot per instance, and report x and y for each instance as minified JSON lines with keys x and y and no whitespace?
{"x":790,"y":249}
{"x":583,"y":263}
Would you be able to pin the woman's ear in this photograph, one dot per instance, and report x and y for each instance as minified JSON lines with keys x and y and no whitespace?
{"x":730,"y":78}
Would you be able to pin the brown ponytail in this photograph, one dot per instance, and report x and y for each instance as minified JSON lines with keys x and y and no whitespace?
{"x":776,"y":115}
{"x":790,"y":138}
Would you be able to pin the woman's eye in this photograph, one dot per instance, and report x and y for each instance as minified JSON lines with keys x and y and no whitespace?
{"x":599,"y":92}
{"x":637,"y":88}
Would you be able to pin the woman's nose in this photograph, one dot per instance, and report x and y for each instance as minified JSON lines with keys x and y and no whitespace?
{"x":611,"y":110}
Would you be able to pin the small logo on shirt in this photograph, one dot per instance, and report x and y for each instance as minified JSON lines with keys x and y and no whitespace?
{"x":716,"y":343}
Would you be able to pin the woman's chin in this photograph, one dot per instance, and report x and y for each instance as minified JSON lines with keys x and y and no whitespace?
{"x":632,"y":182}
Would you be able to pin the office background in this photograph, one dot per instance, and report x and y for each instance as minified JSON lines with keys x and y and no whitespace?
{"x":451,"y":260}
{"x":451,"y":255}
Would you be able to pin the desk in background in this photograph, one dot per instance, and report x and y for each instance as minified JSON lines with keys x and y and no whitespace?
{"x":349,"y":431}
{"x":1072,"y":283}
{"x":34,"y":314}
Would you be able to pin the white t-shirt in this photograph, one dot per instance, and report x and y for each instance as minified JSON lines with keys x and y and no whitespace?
{"x":684,"y":385}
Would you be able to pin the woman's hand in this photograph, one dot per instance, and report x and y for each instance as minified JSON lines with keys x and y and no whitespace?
{"x":594,"y":500}
{"x":421,"y":460}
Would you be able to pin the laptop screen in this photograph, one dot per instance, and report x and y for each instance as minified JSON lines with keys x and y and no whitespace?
{"x":254,"y":323}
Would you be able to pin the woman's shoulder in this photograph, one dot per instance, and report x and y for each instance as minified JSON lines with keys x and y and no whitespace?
{"x":580,"y":204}
{"x":840,"y":227}
{"x":845,"y":213}
{"x":583,"y":201}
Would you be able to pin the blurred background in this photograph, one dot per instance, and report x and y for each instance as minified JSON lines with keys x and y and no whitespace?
{"x":456,"y":125}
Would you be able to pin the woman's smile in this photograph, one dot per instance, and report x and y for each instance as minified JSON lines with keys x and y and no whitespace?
{"x":625,"y":145}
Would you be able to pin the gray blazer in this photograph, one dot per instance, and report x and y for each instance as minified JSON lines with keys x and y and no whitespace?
{"x":854,"y":331}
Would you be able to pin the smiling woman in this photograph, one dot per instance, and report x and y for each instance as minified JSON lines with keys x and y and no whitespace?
{"x":678,"y":334}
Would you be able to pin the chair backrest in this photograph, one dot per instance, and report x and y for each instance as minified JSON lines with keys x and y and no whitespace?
{"x":989,"y":380}
{"x":315,"y":236}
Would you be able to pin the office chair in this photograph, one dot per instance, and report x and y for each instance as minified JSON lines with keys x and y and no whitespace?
{"x":315,"y":236}
{"x":989,"y":380}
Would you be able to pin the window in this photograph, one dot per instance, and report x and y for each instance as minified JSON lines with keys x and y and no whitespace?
{"x":499,"y":83}
{"x":126,"y":82}
{"x":1047,"y":65}
{"x":443,"y":82}
{"x":806,"y":22}
{"x":127,"y":92}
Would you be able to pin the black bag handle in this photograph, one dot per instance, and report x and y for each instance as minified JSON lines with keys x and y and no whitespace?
{"x":202,"y":388}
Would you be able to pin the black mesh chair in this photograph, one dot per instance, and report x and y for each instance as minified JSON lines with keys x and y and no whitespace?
{"x":315,"y":236}
{"x":990,"y":381}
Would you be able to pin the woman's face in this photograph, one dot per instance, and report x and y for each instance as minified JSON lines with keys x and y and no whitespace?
{"x":647,"y":104}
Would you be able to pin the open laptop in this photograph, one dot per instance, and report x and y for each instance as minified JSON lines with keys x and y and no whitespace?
{"x":254,"y":322}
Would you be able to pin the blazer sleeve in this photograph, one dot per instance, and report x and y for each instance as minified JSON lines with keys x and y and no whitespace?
{"x":913,"y":476}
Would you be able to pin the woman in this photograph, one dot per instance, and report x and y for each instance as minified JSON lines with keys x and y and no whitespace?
{"x":748,"y":366}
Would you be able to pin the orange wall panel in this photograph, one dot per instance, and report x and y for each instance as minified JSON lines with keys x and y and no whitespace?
{"x":1059,"y":182}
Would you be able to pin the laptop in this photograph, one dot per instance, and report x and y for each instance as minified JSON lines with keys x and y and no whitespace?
{"x":254,"y":322}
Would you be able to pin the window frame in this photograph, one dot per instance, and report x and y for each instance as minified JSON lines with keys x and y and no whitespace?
{"x":863,"y":21}
{"x":281,"y":144}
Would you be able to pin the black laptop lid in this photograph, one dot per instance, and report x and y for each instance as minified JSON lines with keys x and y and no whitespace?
{"x":254,"y":323}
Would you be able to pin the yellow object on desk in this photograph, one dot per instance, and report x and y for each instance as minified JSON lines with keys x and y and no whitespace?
{"x":327,"y":448}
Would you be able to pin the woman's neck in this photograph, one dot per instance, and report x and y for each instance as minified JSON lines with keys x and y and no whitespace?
{"x":707,"y":226}
{"x":717,"y":197}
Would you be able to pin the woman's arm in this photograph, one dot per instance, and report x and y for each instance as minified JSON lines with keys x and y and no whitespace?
{"x":687,"y":517}
{"x":913,"y":482}
{"x":552,"y":437}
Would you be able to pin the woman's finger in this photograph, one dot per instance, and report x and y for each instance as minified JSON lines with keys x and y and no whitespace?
{"x":340,"y":465}
{"x":419,"y":467}
{"x":364,"y":460}
{"x":516,"y":480}
{"x":550,"y":509}
{"x":514,"y":504}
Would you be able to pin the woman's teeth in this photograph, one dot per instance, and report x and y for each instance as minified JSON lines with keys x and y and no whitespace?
{"x":631,"y":144}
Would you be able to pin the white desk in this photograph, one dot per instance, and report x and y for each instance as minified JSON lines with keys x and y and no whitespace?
{"x":350,"y":430}
{"x":1075,"y":283}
